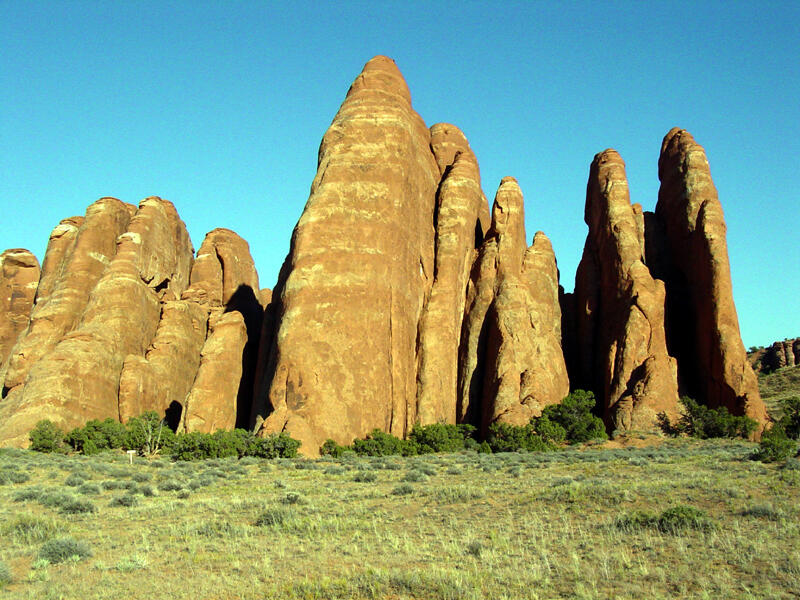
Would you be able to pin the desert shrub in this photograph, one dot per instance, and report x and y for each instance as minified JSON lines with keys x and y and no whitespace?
{"x":272,"y":517}
{"x":293,"y":498}
{"x":335,"y":470}
{"x":28,"y":529}
{"x":183,"y":494}
{"x":440,"y":437}
{"x":5,"y":575}
{"x":332,"y":448}
{"x":63,"y":549}
{"x":75,"y":479}
{"x":415,"y":475}
{"x":671,"y":520}
{"x":775,"y":445}
{"x":763,"y":511}
{"x":124,"y":500}
{"x":141,"y":477}
{"x":55,"y":499}
{"x":147,"y":490}
{"x":76,"y":506}
{"x":170,"y":485}
{"x":148,"y":434}
{"x":233,"y":444}
{"x":46,"y":437}
{"x":512,"y":438}
{"x":790,"y":421}
{"x":199,"y":446}
{"x":97,"y":435}
{"x":278,"y":445}
{"x":89,"y":489}
{"x":365,"y":476}
{"x":404,"y":489}
{"x":683,"y":517}
{"x":11,"y":475}
{"x":379,"y":443}
{"x":574,"y":415}
{"x":702,"y":422}
{"x":33,"y":492}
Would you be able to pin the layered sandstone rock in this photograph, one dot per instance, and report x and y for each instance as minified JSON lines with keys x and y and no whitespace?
{"x":19,"y":278}
{"x":460,"y":209}
{"x":58,"y":246}
{"x":78,"y":379}
{"x":361,"y":263}
{"x":213,"y":400}
{"x":620,"y":307}
{"x":512,"y":362}
{"x":85,"y":255}
{"x":224,"y":285}
{"x":702,"y":323}
{"x":161,"y":379}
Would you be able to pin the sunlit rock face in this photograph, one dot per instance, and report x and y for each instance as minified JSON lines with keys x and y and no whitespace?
{"x":404,"y":300}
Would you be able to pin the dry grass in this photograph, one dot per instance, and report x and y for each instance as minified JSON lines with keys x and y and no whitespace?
{"x":473,"y":526}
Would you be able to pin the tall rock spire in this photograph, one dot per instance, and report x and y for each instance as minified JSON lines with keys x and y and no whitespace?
{"x":460,"y":208}
{"x":620,"y":307}
{"x":703,"y":327}
{"x":512,"y":364}
{"x":361,"y":263}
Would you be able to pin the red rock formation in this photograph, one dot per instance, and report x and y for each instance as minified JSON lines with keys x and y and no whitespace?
{"x":78,"y":379}
{"x":460,"y":204}
{"x":61,"y":304}
{"x":224,"y":283}
{"x":161,"y":379}
{"x":702,"y":321}
{"x":780,"y":354}
{"x":512,"y":361}
{"x":19,"y":277}
{"x":360,"y":265}
{"x":621,"y":307}
{"x":212,"y":402}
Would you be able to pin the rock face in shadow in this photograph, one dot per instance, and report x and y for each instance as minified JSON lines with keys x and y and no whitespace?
{"x":620,"y":311}
{"x":780,"y":354}
{"x":702,"y":325}
{"x":361,"y":264}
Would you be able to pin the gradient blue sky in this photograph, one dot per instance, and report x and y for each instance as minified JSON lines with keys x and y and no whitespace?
{"x":220,"y":108}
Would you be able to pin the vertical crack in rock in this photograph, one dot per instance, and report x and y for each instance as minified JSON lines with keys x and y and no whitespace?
{"x":224,"y":289}
{"x":460,"y":203}
{"x":620,"y":308}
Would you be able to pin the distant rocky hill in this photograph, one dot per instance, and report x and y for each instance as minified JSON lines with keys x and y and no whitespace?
{"x":404,"y":299}
{"x":780,"y":354}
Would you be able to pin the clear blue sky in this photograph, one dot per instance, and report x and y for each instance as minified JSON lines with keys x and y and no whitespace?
{"x":220,"y":108}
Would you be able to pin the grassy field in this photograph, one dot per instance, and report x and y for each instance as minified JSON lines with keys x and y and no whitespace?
{"x":583,"y":523}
